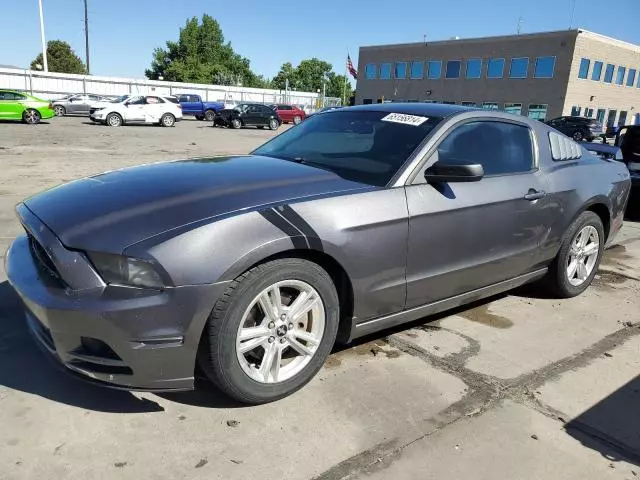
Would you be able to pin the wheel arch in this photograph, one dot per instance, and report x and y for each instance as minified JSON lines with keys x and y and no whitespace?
{"x":601,"y":209}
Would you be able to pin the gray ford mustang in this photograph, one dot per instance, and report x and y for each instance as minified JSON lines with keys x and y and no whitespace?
{"x":253,"y":266}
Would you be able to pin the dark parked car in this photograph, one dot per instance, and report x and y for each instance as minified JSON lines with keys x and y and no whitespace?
{"x":604,"y":151}
{"x":193,"y":105}
{"x":357,"y":220}
{"x":248,"y":115}
{"x":289,"y":113}
{"x":628,"y":139}
{"x":578,"y":128}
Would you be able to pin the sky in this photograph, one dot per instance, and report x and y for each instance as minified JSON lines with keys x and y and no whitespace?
{"x":123,"y":33}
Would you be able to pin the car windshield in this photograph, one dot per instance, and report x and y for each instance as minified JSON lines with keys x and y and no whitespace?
{"x":120,"y":99}
{"x":364,"y":146}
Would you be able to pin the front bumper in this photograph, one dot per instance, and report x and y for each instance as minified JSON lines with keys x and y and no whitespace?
{"x":122,"y":337}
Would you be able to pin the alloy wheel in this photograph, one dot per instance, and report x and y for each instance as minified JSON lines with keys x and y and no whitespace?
{"x":583,"y":255}
{"x":60,"y":110}
{"x":280,"y":331}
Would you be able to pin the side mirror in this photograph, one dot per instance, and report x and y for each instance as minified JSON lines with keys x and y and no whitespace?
{"x":439,"y":173}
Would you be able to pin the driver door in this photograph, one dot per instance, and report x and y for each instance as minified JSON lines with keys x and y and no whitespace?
{"x":135,"y":109}
{"x":465,"y":236}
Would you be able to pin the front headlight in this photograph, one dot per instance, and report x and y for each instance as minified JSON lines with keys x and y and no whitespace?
{"x":121,"y":270}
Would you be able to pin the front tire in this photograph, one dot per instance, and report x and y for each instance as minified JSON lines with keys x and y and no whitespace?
{"x":236,"y":123}
{"x":297,"y":120}
{"x":273,"y":124}
{"x":578,"y":136}
{"x":168,"y":120}
{"x":60,"y":111}
{"x":113,"y":120}
{"x":579,"y":257}
{"x":271,"y":331}
{"x":31,"y":116}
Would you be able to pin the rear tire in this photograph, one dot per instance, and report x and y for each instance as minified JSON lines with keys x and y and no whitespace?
{"x":113,"y":120}
{"x":578,"y":136}
{"x":31,"y":116}
{"x":209,"y":115}
{"x":167,"y":120}
{"x":60,"y":111}
{"x":240,"y":374}
{"x":573,"y":269}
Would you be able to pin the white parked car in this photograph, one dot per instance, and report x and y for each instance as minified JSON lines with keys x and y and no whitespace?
{"x":151,"y":109}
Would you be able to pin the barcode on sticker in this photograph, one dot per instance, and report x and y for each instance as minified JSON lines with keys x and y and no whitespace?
{"x":414,"y":120}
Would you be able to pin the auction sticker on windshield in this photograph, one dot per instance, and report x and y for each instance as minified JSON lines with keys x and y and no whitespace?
{"x":414,"y":120}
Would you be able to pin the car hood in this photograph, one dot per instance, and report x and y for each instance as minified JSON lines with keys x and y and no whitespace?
{"x":113,"y":210}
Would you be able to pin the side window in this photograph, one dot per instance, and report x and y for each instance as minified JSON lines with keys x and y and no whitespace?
{"x":266,"y":110}
{"x":284,"y":107}
{"x":501,"y":148}
{"x":94,"y":98}
{"x":3,"y":95}
{"x":136,"y":101}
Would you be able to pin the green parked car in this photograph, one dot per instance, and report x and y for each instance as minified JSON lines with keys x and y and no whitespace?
{"x":20,"y":106}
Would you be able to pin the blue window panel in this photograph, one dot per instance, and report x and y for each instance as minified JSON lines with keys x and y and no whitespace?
{"x":519,"y":68}
{"x":584,"y":68}
{"x":416,"y":69}
{"x":474,"y":68}
{"x":370,"y":71}
{"x":453,"y":69}
{"x":620,"y":76}
{"x":537,"y":111}
{"x":596,"y":74}
{"x":608,"y":73}
{"x":495,"y":68}
{"x":385,"y":71}
{"x":515,"y":108}
{"x":545,"y":67}
{"x":631,"y":77}
{"x":434,"y":69}
{"x":401,"y":70}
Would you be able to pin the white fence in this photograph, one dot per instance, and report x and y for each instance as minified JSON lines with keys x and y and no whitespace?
{"x":54,"y":85}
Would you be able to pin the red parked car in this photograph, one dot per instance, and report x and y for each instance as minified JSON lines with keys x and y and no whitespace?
{"x":289,"y":113}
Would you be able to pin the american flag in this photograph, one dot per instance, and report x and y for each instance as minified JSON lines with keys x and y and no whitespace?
{"x":352,"y":70}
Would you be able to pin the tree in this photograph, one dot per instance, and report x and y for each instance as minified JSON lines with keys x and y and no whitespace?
{"x":287,"y":72}
{"x":201,"y":56}
{"x":309,"y":75}
{"x":336,"y":86}
{"x":60,"y":58}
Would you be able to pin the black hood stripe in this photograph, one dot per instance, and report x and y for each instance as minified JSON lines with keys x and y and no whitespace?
{"x":279,"y":222}
{"x":301,"y":224}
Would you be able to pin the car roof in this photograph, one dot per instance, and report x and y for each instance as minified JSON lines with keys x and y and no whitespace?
{"x":433,"y":109}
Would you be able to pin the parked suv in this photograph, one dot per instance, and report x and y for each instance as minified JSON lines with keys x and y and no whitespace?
{"x":578,"y":128}
{"x":289,"y":113}
{"x":79,"y":104}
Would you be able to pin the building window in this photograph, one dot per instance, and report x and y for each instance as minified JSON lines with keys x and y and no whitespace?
{"x":469,"y":104}
{"x":588,"y":112}
{"x":453,"y":69}
{"x":597,"y":71}
{"x":474,"y":68}
{"x":544,"y":67}
{"x":622,"y":120}
{"x":631,"y":78}
{"x":401,"y":70}
{"x":584,"y":68}
{"x":370,"y":71}
{"x":490,"y":106}
{"x":385,"y":71}
{"x":537,"y":112}
{"x":515,"y":108}
{"x":620,"y":77}
{"x":608,"y":73}
{"x":600,"y":115}
{"x":416,"y":69}
{"x":367,"y":101}
{"x":575,"y":111}
{"x":611,"y":118}
{"x":519,"y":68}
{"x":446,"y":102}
{"x":434,"y":69}
{"x":495,"y":68}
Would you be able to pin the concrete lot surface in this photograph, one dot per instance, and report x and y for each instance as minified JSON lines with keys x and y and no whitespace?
{"x":521,"y":386}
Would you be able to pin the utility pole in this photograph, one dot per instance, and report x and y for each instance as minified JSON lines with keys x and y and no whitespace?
{"x":86,"y":35}
{"x":519,"y":25}
{"x":44,"y":43}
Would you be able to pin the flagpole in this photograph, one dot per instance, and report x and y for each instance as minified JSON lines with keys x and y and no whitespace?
{"x":344,"y":86}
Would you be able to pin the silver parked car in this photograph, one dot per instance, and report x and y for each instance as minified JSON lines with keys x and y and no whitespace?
{"x":356,"y":220}
{"x":78,"y":104}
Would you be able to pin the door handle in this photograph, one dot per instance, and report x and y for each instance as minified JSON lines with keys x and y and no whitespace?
{"x":534,"y":194}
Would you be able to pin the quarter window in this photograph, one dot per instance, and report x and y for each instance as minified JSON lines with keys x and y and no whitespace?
{"x":370,"y":71}
{"x":495,"y":68}
{"x":401,"y":70}
{"x":544,"y":67}
{"x":434,"y":69}
{"x":385,"y":71}
{"x":631,"y":77}
{"x":537,"y":111}
{"x":453,"y":69}
{"x":501,"y":148}
{"x":596,"y":74}
{"x":620,"y":77}
{"x":608,"y":73}
{"x":519,"y":68}
{"x":474,"y":68}
{"x":584,"y":68}
{"x":515,"y":108}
